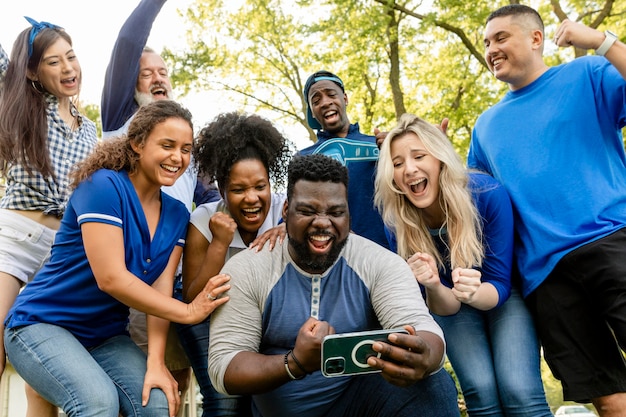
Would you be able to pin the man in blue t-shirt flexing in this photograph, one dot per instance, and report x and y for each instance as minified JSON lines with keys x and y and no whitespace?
{"x":554,"y":142}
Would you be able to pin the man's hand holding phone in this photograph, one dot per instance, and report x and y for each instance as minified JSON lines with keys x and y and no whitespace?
{"x":408,"y":359}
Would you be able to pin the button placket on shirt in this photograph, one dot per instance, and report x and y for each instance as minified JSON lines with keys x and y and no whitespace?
{"x":145,"y":271}
{"x":315,"y":295}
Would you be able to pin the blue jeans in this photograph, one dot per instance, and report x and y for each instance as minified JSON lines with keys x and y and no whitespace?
{"x":372,"y":396}
{"x":495,"y":355}
{"x":101,"y":381}
{"x":195,"y":341}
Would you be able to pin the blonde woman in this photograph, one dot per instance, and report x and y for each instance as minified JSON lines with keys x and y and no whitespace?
{"x":455,"y":228}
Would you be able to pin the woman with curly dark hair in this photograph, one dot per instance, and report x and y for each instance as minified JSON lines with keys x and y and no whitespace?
{"x":118,"y":246}
{"x":245,"y":155}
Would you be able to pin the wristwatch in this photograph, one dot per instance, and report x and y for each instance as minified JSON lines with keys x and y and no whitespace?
{"x":608,"y":42}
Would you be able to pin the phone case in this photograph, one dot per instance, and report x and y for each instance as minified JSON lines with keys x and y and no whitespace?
{"x":346,"y":353}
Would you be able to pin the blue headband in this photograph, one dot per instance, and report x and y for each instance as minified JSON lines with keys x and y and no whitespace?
{"x":37,"y":27}
{"x":334,"y":79}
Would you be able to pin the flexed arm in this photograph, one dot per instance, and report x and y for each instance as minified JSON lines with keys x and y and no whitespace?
{"x":581,"y":36}
{"x":203,"y":259}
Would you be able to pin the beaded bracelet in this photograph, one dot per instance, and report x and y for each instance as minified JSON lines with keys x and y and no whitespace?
{"x":298,"y":362}
{"x":286,"y":360}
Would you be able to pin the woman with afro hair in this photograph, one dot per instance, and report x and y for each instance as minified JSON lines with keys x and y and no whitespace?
{"x":246,"y":155}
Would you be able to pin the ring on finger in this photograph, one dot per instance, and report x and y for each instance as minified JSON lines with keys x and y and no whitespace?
{"x":211,"y":297}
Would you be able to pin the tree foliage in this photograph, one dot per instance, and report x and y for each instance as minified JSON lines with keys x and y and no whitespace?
{"x":92,"y":112}
{"x":418,"y":56}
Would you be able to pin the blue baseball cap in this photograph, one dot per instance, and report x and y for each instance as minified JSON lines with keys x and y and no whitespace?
{"x":313,"y":78}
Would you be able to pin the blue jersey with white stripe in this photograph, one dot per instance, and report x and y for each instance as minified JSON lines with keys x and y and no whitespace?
{"x":65,"y":292}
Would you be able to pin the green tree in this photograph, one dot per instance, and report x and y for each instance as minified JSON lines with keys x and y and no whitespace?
{"x":415,"y":57}
{"x":92,"y":111}
{"x":257,"y":55}
{"x":468,"y":88}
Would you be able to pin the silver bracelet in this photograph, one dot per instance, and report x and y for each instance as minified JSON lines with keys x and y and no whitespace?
{"x":291,"y":376}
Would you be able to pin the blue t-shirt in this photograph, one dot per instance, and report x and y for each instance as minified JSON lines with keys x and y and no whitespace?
{"x":556,"y":146}
{"x":359,"y":153}
{"x":65,"y":293}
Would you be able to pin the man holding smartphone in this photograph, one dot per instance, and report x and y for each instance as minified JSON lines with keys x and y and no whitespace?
{"x":267,"y":340}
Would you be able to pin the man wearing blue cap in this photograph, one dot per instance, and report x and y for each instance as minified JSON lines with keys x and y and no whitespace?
{"x":326,"y":113}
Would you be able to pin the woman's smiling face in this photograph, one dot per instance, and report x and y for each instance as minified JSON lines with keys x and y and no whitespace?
{"x":416,"y":172}
{"x":248,"y":196}
{"x":59,"y":71}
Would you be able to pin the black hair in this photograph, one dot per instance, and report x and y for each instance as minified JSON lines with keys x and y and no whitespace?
{"x":316,"y":168}
{"x":516,"y":10}
{"x":232,"y":137}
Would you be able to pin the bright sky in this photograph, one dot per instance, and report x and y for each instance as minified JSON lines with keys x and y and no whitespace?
{"x":94,"y":25}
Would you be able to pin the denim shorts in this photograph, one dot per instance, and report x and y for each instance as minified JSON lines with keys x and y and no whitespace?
{"x":580,"y":316}
{"x":24,"y":245}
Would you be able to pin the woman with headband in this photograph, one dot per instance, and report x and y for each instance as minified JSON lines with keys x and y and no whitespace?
{"x":42,"y":136}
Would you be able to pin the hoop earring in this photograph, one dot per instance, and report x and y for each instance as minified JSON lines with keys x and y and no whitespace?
{"x":37,"y":86}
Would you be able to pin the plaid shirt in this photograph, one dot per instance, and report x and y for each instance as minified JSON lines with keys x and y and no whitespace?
{"x":65,"y":147}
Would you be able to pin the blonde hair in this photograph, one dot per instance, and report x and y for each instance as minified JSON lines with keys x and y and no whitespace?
{"x":461,"y":218}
